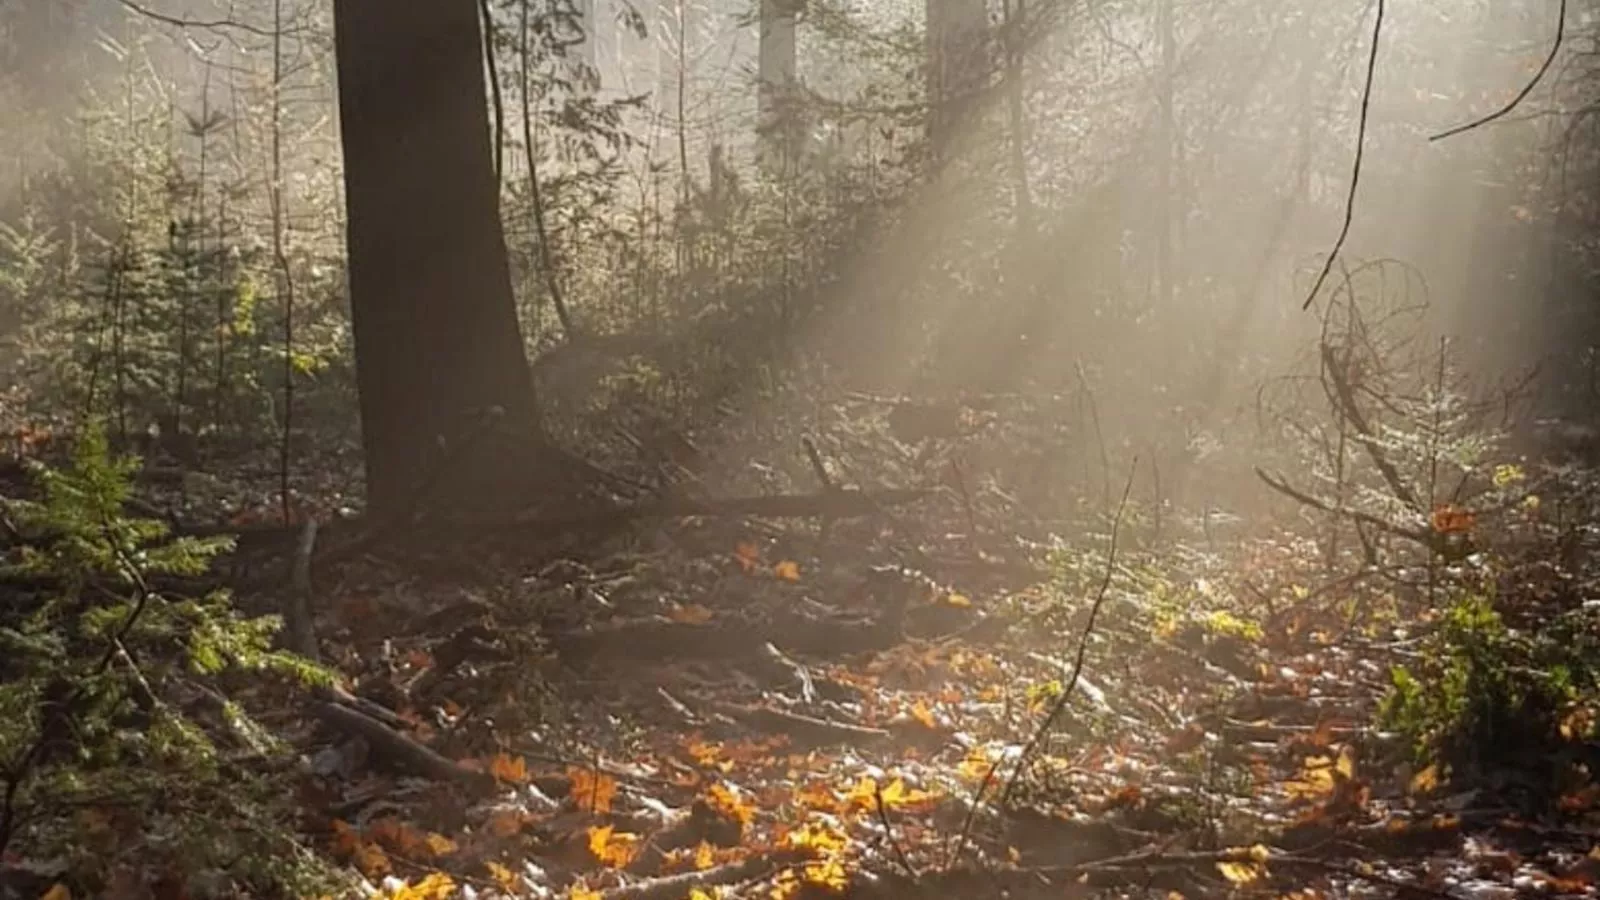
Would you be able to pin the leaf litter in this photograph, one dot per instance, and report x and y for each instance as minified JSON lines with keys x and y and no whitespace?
{"x":716,"y":709}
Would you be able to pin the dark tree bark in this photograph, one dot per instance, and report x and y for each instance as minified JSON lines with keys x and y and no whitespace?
{"x":437,"y":339}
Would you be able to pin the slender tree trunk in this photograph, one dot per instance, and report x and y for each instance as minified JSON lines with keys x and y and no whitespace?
{"x":775,"y":72}
{"x":957,"y":67}
{"x":1165,"y":207}
{"x":437,"y":339}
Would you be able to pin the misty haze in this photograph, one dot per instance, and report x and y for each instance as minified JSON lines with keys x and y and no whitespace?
{"x":692,"y":449}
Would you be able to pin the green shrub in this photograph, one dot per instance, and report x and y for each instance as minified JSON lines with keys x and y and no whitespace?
{"x":119,"y":745}
{"x":1482,"y":693}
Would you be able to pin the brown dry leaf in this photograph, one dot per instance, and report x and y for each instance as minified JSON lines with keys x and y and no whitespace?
{"x":507,"y":821}
{"x":1192,"y":736}
{"x":508,"y":768}
{"x":690,"y":614}
{"x":748,"y":555}
{"x":1448,"y":518}
{"x":371,"y":861}
{"x":346,"y":839}
{"x":788,"y":570}
{"x":592,"y":790}
{"x":1581,"y":800}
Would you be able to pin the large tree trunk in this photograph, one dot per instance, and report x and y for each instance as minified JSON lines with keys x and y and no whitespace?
{"x":436,"y":333}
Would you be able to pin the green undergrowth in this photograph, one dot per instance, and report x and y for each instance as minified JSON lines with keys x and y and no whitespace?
{"x":123,"y":753}
{"x":1481,"y":695}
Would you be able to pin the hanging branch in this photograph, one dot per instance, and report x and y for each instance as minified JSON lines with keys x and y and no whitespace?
{"x":496,"y":96}
{"x":175,"y":21}
{"x":1355,"y":172}
{"x":1555,"y":47}
{"x":552,"y":282}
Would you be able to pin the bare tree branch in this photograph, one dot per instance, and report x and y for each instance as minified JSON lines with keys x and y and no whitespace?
{"x":1555,"y":47}
{"x":178,"y":22}
{"x":1355,"y":171}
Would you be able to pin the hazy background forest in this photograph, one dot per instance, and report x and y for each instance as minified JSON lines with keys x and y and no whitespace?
{"x":1138,"y":204}
{"x":1181,"y":358}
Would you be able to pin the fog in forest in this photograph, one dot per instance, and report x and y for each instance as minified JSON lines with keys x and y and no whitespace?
{"x":1137,"y":196}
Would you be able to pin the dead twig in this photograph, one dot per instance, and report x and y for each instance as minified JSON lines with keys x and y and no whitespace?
{"x":1555,"y":48}
{"x":1071,"y":685}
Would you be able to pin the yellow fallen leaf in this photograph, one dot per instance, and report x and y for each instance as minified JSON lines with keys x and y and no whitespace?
{"x":958,"y":600}
{"x":435,"y":886}
{"x":611,"y":847}
{"x":509,"y":881}
{"x":1245,"y":865}
{"x":1425,"y":780}
{"x":1346,"y":764}
{"x":1239,"y":873}
{"x":788,"y":570}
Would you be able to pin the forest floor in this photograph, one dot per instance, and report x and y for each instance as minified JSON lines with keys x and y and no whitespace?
{"x":728,"y":706}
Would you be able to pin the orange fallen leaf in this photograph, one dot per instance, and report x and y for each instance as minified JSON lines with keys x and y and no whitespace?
{"x":1425,"y":781}
{"x":690,"y":614}
{"x":788,"y":570}
{"x":513,"y":769}
{"x":592,"y":790}
{"x":748,"y":555}
{"x":723,"y":799}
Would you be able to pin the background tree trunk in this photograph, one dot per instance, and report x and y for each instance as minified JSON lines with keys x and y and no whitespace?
{"x":436,"y":334}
